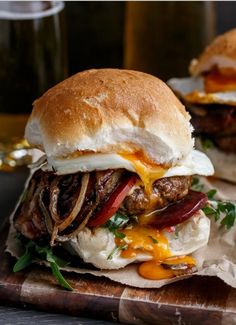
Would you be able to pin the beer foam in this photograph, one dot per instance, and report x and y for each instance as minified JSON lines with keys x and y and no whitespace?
{"x":8,"y":14}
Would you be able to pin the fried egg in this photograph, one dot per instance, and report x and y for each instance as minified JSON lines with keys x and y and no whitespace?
{"x":195,"y":163}
{"x":191,"y":90}
{"x":101,"y":248}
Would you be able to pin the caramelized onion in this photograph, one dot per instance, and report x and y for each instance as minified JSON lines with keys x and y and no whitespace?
{"x":54,"y":194}
{"x":47,"y":218}
{"x":78,"y":204}
{"x":77,"y":230}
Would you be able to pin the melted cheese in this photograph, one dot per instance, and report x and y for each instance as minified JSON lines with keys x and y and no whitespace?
{"x":147,"y":171}
{"x":220,"y":80}
{"x":144,"y":239}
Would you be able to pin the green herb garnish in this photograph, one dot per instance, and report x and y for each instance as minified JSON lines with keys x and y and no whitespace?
{"x":116,"y":222}
{"x":153,"y":240}
{"x":34,"y":251}
{"x":116,"y":250}
{"x":196,"y":185}
{"x":210,"y":194}
{"x":224,"y":210}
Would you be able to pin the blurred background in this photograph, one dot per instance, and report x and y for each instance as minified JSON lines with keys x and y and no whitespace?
{"x":156,"y":37}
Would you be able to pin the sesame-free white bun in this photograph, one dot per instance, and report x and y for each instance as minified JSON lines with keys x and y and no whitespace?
{"x":111,"y":111}
{"x":221,"y":53}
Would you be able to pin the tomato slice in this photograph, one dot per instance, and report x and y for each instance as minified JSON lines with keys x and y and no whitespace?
{"x":113,"y":203}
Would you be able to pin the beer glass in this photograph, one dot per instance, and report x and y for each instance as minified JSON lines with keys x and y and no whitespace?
{"x":161,"y":37}
{"x":32,"y":59}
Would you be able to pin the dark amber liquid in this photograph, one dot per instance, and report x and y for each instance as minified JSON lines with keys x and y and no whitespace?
{"x":32,"y":59}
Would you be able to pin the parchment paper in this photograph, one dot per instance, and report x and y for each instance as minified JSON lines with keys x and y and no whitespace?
{"x":218,"y":258}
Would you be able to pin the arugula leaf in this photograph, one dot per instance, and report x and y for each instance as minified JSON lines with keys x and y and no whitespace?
{"x":25,"y":260}
{"x":56,"y":272}
{"x":34,"y":251}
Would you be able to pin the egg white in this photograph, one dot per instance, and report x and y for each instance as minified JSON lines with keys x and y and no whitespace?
{"x":195,"y":163}
{"x":186,"y":86}
{"x":95,"y":246}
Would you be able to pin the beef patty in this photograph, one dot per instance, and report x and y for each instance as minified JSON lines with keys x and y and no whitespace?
{"x":217,"y":122}
{"x":165,"y":191}
{"x":49,"y":196}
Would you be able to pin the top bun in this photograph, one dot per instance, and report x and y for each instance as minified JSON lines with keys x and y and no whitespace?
{"x":221,"y":53}
{"x":111,"y":111}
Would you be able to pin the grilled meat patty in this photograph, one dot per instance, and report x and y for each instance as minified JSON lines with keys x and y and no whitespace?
{"x":165,"y":191}
{"x":50,"y":195}
{"x":218,"y":122}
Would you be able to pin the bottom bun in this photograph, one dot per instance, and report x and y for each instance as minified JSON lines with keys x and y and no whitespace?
{"x":96,"y":246}
{"x":224,"y":163}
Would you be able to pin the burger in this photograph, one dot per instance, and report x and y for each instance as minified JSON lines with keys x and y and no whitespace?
{"x":113,"y":186}
{"x":210,"y":96}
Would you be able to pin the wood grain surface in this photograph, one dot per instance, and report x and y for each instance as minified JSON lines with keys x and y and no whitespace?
{"x":198,"y":300}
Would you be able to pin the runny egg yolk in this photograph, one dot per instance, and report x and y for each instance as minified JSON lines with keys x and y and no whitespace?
{"x":217,"y":80}
{"x":147,"y":171}
{"x":154,"y":270}
{"x":147,"y":240}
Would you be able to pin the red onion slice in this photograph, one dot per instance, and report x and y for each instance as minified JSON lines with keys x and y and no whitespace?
{"x":180,"y":211}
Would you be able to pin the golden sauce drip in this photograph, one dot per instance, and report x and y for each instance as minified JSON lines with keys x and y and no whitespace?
{"x":220,"y":80}
{"x":148,"y":240}
{"x":148,"y":171}
{"x":153,"y":270}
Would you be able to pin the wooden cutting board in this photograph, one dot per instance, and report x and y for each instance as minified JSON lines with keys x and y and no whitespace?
{"x":198,"y":300}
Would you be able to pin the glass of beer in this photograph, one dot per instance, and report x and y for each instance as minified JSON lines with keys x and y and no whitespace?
{"x":32,"y":58}
{"x":161,"y":37}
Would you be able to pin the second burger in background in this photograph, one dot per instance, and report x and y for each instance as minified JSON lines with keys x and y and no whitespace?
{"x":210,"y":97}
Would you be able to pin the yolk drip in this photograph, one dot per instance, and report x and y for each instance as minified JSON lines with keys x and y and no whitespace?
{"x":147,"y":171}
{"x":153,"y":270}
{"x":220,"y":80}
{"x":147,"y":240}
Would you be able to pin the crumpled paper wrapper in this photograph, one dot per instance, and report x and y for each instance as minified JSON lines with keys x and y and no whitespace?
{"x":218,"y":258}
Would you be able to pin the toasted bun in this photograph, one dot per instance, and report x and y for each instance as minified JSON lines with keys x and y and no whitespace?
{"x":221,"y":52}
{"x":111,"y":110}
{"x":224,"y":164}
